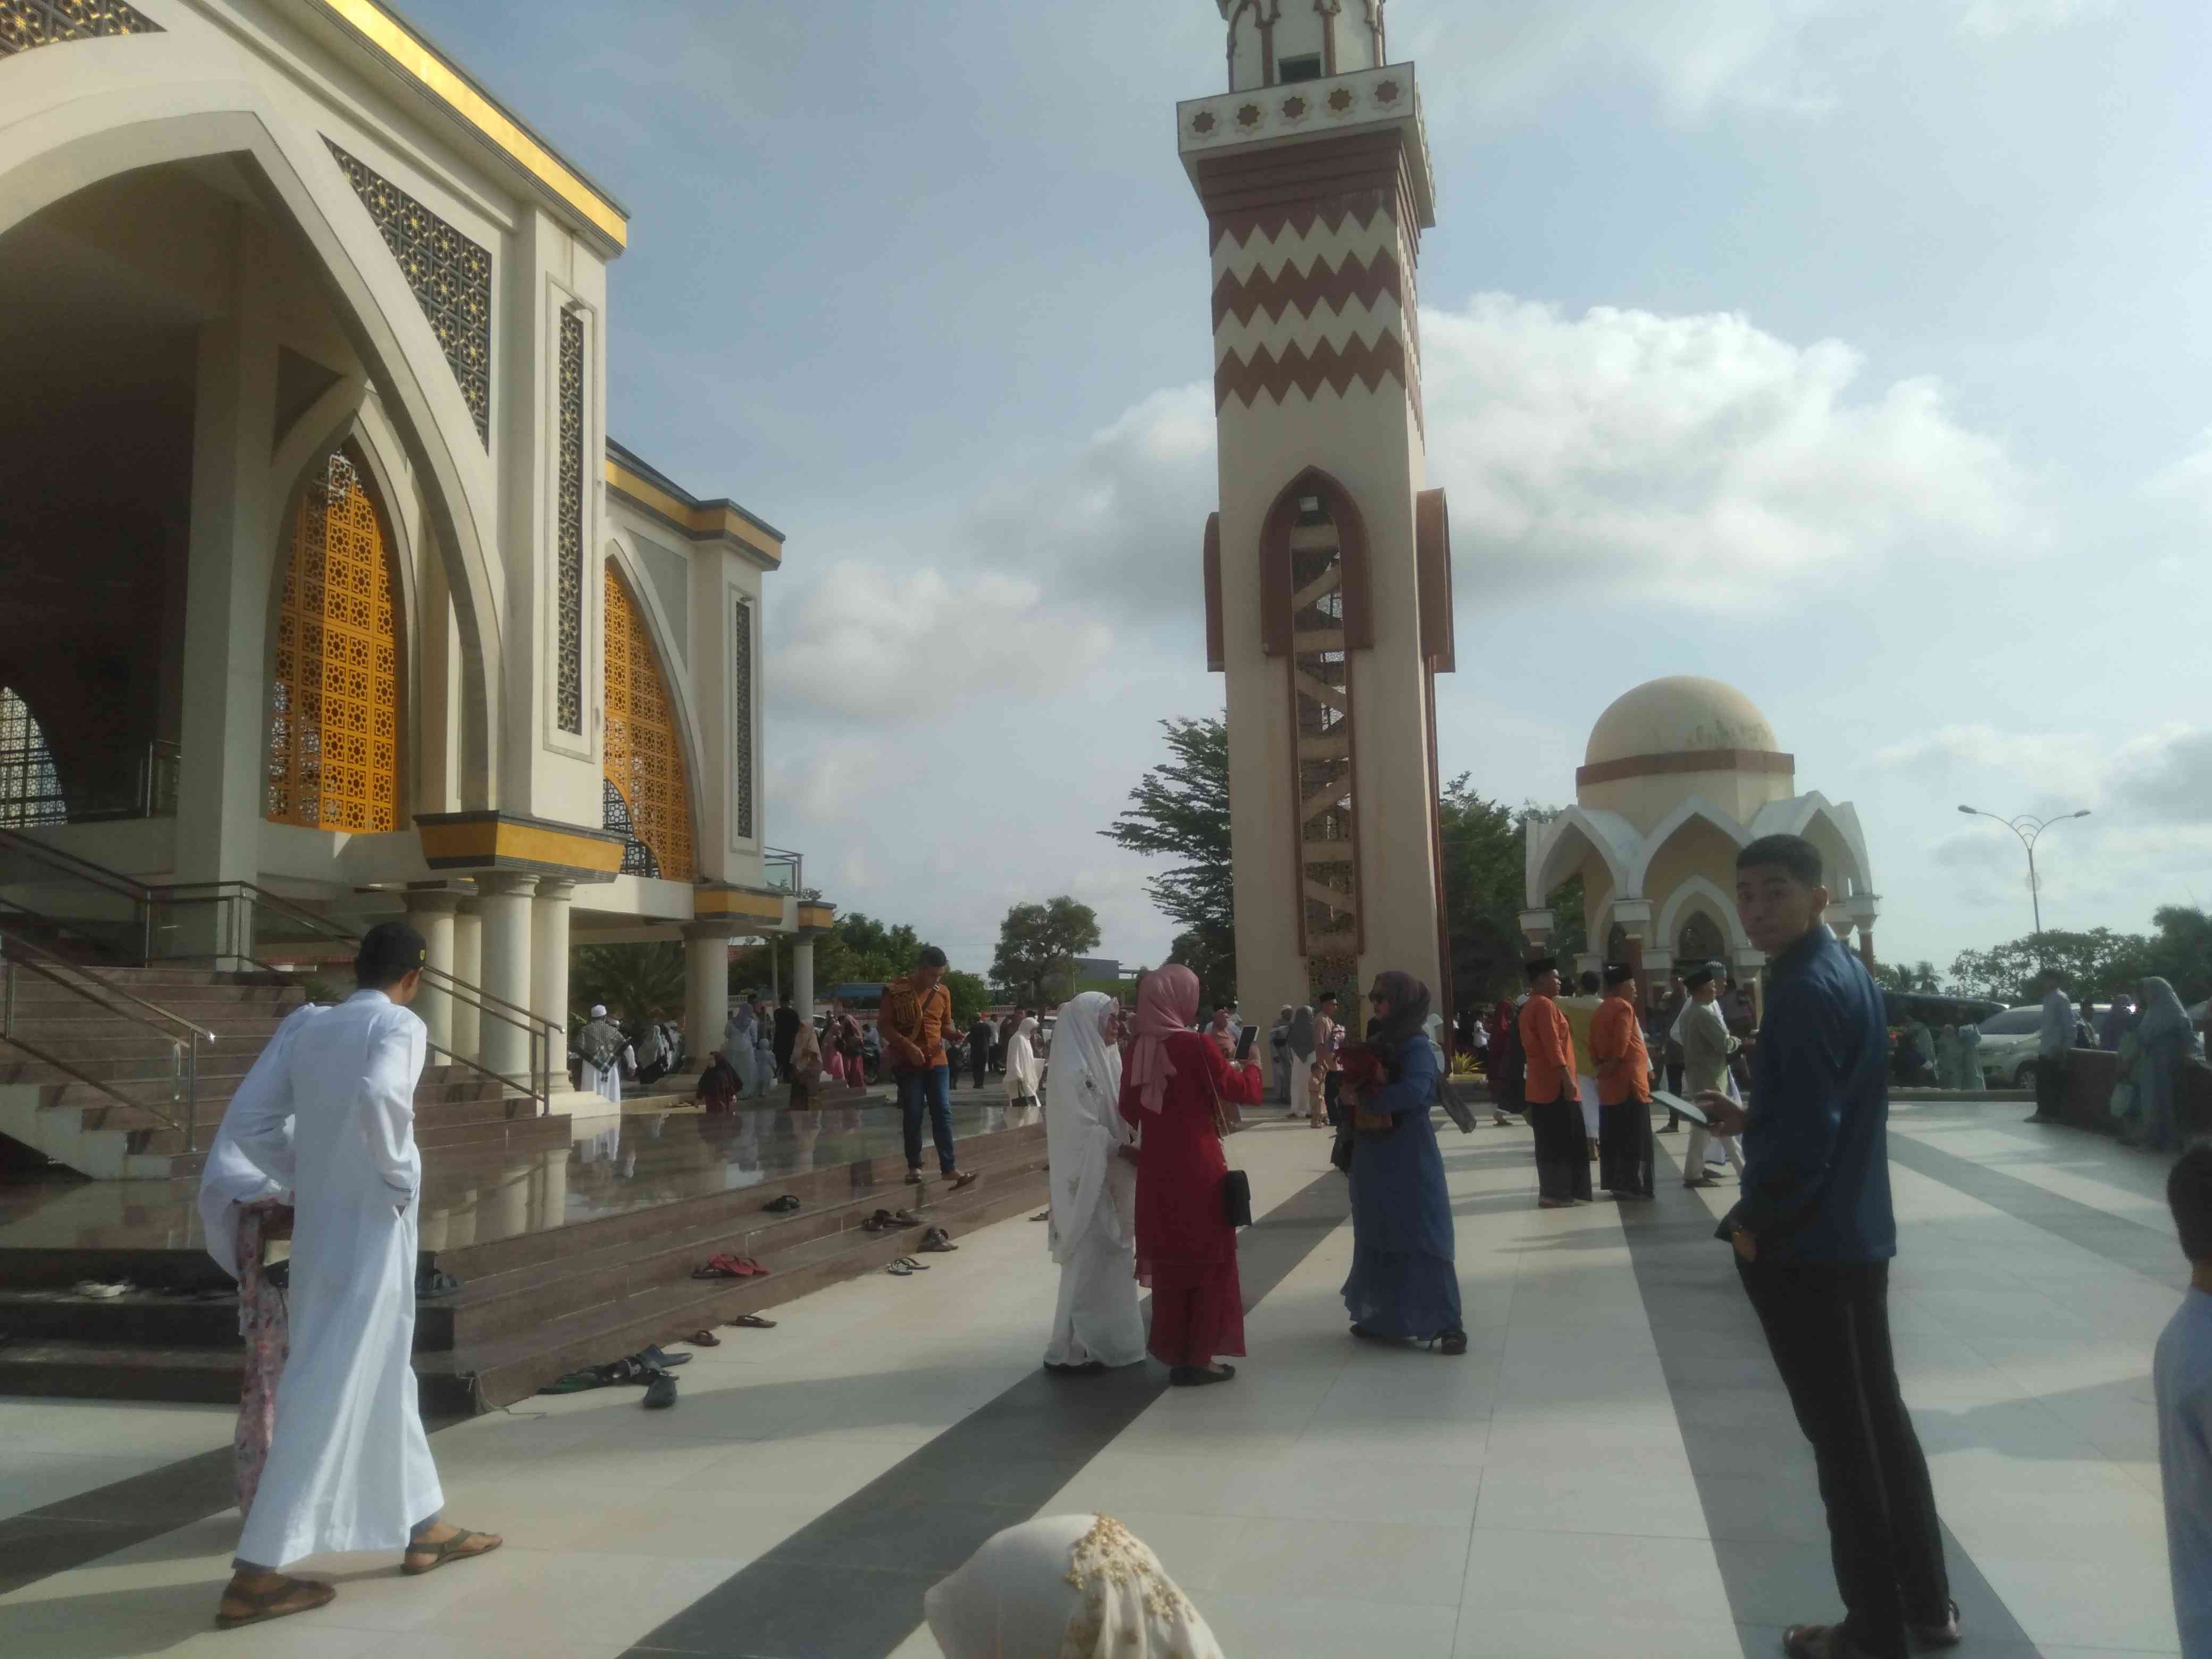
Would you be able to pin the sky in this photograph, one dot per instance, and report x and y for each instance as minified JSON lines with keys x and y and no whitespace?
{"x":1851,"y":351}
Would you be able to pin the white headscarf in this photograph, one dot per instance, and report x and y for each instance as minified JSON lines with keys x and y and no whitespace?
{"x":1023,"y":1072}
{"x":1067,"y":1587}
{"x":1082,"y":1128}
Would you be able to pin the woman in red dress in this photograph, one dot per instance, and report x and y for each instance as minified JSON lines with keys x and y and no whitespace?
{"x":1177,"y":1089}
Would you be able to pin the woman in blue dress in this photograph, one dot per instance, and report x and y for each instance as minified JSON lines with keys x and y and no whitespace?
{"x":1403,"y":1287}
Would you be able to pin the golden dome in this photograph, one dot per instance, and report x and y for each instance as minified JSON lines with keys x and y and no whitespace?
{"x":1681,"y":714}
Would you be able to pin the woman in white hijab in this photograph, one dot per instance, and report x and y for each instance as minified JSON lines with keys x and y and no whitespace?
{"x":1024,"y":1073}
{"x":1093,"y":1234}
{"x":1065,"y":1586}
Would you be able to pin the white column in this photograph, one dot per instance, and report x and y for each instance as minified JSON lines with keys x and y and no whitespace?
{"x":431,"y":911}
{"x":227,"y":580}
{"x":802,"y":976}
{"x":468,"y":968}
{"x":706,"y":987}
{"x":504,"y":897}
{"x":549,"y":949}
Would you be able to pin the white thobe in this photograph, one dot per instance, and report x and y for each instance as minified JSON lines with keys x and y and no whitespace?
{"x":230,"y":1178}
{"x":607,"y":1081}
{"x":1023,"y":1074}
{"x":349,"y":1467}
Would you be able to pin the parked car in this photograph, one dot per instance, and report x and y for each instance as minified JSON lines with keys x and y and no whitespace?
{"x":2010,"y":1045}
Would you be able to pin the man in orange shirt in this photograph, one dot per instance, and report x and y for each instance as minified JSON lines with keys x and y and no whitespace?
{"x":1624,"y":1088}
{"x":915,"y":1015}
{"x":1554,"y":1095}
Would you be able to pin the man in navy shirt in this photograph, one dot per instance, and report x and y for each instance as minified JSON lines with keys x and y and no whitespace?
{"x":1813,"y":1234}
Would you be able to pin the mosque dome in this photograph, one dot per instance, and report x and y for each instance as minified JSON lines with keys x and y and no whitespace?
{"x":1683,"y":714}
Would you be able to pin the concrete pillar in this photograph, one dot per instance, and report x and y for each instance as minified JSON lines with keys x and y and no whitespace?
{"x":431,"y":911}
{"x":505,"y":898}
{"x":705,"y":986}
{"x":228,"y":569}
{"x":802,"y":976}
{"x":468,"y":968}
{"x":549,"y":949}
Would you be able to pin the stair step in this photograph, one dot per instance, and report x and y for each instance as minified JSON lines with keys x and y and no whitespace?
{"x":91,"y":1370}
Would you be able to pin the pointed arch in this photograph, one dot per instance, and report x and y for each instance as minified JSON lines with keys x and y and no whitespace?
{"x":647,"y":794}
{"x":1564,"y":841}
{"x":1313,"y":498}
{"x":1698,"y":895}
{"x":333,"y":759}
{"x":1832,"y":827}
{"x":1696,"y":809}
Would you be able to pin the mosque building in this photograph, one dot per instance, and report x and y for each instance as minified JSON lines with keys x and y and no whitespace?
{"x":329,"y":592}
{"x":1679,"y":775}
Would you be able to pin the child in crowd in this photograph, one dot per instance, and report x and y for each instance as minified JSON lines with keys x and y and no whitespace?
{"x":2182,"y":1377}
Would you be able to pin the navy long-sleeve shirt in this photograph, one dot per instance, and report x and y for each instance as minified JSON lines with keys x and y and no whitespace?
{"x":1816,"y":1148}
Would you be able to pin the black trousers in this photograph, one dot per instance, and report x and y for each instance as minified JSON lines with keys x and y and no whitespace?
{"x":2050,"y":1087}
{"x":1827,"y":1327}
{"x":979,"y":1062}
{"x":1562,"y":1148}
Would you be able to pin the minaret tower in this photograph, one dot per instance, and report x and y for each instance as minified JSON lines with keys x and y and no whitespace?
{"x":1328,"y":570}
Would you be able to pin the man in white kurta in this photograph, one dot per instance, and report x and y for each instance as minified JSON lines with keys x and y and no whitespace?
{"x":1093,"y":1234}
{"x":350,"y":1465}
{"x":606,"y":1050}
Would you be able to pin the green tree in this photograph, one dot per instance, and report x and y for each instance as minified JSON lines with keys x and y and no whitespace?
{"x":970,"y":995}
{"x":636,"y":982}
{"x":857,"y":949}
{"x":2095,"y":964}
{"x":1179,"y":810}
{"x":1037,"y":947}
{"x":1919,"y":976}
{"x":1485,"y":878}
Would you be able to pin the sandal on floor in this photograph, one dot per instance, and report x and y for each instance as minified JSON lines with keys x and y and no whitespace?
{"x":965,"y":1178}
{"x":576,"y":1382}
{"x":720,"y":1267}
{"x":906,"y":1218}
{"x":1820,"y":1642}
{"x":1041,"y":1215}
{"x":911,"y":1264}
{"x":704,"y":1339}
{"x":881,"y":1221}
{"x":752,"y":1322}
{"x":1199,"y":1377}
{"x":660,"y":1393}
{"x":280,"y":1600}
{"x":937,"y":1241}
{"x":1453,"y":1343}
{"x":899,"y":1270}
{"x":456,"y":1548}
{"x":783,"y":1206}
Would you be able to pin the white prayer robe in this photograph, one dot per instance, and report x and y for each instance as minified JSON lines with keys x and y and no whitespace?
{"x":1093,"y":1230}
{"x":1023,"y":1074}
{"x":230,"y":1178}
{"x":349,"y":1468}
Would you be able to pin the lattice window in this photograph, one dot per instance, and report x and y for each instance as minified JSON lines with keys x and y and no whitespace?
{"x":741,"y":717}
{"x":637,"y":857}
{"x":28,"y":23}
{"x":30,"y":789}
{"x":450,"y":274}
{"x":334,"y":703}
{"x":568,"y":680}
{"x":645,"y":773}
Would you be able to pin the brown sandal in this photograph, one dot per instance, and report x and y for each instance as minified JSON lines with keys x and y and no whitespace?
{"x":459,"y":1547}
{"x":280,"y":1600}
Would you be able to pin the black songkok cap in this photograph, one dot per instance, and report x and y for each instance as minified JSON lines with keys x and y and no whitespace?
{"x":1703,"y":972}
{"x":389,"y":952}
{"x":1618,"y":973}
{"x":1539,"y":966}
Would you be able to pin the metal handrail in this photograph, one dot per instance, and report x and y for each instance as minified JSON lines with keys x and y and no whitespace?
{"x":8,"y":942}
{"x":184,"y":1087}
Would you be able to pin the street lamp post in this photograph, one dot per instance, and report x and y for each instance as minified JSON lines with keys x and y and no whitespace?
{"x":2029,"y":829}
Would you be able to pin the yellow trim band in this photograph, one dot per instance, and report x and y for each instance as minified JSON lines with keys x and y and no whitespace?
{"x":485,"y":842}
{"x":389,"y":35}
{"x":719,"y":901}
{"x":711,"y":520}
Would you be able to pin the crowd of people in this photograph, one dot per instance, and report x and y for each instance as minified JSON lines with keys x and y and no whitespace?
{"x":1137,"y":1109}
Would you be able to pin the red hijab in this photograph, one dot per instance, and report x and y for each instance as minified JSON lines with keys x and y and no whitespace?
{"x":1166,"y":1005}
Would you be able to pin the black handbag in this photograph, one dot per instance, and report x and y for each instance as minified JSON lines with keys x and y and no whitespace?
{"x":1237,"y":1199}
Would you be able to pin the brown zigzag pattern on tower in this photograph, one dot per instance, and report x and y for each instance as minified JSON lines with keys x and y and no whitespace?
{"x":1298,"y":369}
{"x":1359,"y":210}
{"x":1320,"y":285}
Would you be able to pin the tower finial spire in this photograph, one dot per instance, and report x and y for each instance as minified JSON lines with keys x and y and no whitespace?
{"x":1277,"y":42}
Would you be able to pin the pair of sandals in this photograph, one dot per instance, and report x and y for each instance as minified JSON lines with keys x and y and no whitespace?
{"x":891,"y":1221}
{"x":1834,"y":1642}
{"x":783,"y":1206}
{"x":906,"y":1266}
{"x":282,"y":1597}
{"x":730,"y":1266}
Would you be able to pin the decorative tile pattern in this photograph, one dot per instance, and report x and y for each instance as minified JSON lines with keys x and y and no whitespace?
{"x":648,"y":800}
{"x":30,"y":789}
{"x":334,"y":721}
{"x":568,"y":688}
{"x":25,"y":24}
{"x":741,"y":717}
{"x":451,"y":276}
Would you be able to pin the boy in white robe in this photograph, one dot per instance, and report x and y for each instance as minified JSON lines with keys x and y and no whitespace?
{"x":350,"y":1467}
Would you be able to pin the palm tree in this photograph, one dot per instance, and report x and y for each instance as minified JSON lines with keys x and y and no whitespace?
{"x":637,"y":981}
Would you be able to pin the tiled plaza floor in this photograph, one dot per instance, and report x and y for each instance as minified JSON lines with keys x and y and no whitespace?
{"x":1611,"y":1467}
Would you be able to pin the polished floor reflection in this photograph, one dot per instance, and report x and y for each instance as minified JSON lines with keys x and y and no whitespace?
{"x":647,"y":1156}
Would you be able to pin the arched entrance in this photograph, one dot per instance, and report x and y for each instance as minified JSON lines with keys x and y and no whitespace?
{"x":334,"y":711}
{"x":30,"y":789}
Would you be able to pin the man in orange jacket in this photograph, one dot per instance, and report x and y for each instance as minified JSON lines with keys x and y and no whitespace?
{"x":1554,"y":1094}
{"x":1624,"y":1088}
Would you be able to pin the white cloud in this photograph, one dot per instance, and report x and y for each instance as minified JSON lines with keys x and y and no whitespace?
{"x":1626,"y":450}
{"x":909,"y":647}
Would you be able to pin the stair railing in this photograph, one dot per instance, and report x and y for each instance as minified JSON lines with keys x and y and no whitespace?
{"x":19,"y":955}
